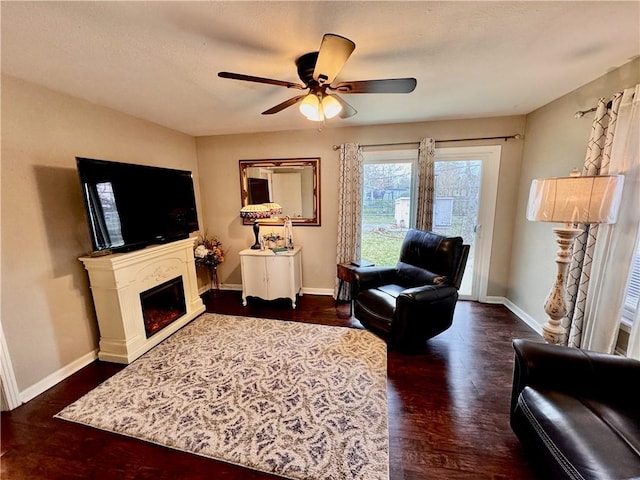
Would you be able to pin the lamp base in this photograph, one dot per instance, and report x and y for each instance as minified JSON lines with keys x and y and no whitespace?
{"x":553,"y":332}
{"x":555,"y":305}
{"x":256,"y":232}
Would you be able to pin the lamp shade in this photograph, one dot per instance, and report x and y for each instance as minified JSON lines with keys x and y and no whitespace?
{"x":575,"y":199}
{"x":255,"y":211}
{"x":274,"y":208}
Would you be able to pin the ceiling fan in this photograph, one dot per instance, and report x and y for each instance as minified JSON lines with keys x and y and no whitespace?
{"x":318,"y":70}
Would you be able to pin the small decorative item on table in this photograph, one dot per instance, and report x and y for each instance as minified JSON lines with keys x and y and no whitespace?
{"x":210,"y":253}
{"x":272,"y":240}
{"x":288,"y":233}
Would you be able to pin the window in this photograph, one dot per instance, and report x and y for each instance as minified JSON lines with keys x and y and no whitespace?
{"x":388,"y":204}
{"x":632,"y":296}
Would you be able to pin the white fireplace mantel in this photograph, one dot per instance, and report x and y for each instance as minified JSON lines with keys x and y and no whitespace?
{"x":116,"y":283}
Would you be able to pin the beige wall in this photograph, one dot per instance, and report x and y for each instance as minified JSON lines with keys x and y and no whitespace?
{"x":555,"y":143}
{"x":47,"y":311}
{"x":220,"y":184}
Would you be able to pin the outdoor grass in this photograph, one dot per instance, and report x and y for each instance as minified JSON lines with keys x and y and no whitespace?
{"x":383,"y":249}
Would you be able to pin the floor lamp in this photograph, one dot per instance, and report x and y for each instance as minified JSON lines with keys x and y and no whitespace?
{"x":570,"y":200}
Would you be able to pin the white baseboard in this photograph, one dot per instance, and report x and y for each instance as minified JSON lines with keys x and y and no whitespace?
{"x":223,"y":286}
{"x":318,"y":291}
{"x":495,"y":300}
{"x":57,"y":376}
{"x":522,"y":315}
{"x":517,"y":311}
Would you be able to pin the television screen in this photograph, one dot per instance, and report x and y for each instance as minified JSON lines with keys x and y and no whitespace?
{"x":132,"y":206}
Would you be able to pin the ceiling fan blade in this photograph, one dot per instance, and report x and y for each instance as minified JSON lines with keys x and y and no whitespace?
{"x":283,"y":105}
{"x":347,"y":110}
{"x":249,"y":78}
{"x":333,"y":54}
{"x":392,"y":85}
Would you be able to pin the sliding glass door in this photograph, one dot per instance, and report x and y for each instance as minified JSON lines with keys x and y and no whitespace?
{"x":466,"y":185}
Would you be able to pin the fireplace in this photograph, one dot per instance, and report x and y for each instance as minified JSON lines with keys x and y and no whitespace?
{"x":142,"y":297}
{"x":162,"y":305}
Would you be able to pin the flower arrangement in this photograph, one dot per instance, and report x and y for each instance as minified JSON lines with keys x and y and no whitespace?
{"x":272,"y":237}
{"x":209,"y":249}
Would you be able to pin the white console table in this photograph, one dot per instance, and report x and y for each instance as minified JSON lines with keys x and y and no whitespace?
{"x":270,"y":275}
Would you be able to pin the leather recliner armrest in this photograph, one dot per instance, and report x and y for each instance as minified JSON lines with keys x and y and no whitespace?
{"x":426,"y":293}
{"x":572,"y":370}
{"x":371,"y":277}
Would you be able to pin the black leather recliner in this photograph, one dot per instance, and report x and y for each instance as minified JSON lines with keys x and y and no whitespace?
{"x":414,"y":300}
{"x":576,"y":412}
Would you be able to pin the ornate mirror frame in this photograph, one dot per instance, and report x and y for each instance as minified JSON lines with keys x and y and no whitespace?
{"x":308,"y":172}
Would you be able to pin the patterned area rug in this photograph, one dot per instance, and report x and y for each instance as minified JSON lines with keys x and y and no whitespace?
{"x":299,"y":400}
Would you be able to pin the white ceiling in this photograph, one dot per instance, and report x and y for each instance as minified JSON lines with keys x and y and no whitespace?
{"x":159,"y":60}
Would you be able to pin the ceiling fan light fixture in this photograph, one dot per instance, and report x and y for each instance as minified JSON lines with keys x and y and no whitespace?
{"x":317,"y":107}
{"x":331,"y":106}
{"x":311,"y":108}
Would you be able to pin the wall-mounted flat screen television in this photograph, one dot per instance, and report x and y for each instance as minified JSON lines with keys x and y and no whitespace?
{"x":132,"y":206}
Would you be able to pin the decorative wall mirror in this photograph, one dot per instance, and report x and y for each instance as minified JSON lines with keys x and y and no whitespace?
{"x":293,"y":183}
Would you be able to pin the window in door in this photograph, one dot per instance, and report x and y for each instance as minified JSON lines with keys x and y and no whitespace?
{"x":456,"y":206}
{"x":466,"y":189}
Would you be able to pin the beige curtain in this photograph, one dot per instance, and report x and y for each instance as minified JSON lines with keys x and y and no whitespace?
{"x":579,"y":276}
{"x":631,"y":158}
{"x":426,"y":184}
{"x":603,"y":254}
{"x":349,"y":207}
{"x":615,"y":248}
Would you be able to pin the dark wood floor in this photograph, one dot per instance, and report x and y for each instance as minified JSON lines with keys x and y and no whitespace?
{"x":448,"y":409}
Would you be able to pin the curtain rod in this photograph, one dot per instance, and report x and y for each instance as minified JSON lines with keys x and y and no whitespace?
{"x":503,"y":137}
{"x":582,"y":113}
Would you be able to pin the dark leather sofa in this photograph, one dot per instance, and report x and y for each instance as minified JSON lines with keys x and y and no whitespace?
{"x":576,"y":412}
{"x":414,"y":300}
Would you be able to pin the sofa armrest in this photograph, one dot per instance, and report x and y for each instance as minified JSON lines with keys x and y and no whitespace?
{"x":371,"y":277}
{"x":580,"y":372}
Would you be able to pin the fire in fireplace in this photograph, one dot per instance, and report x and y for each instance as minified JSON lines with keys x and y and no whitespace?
{"x":162,"y":305}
